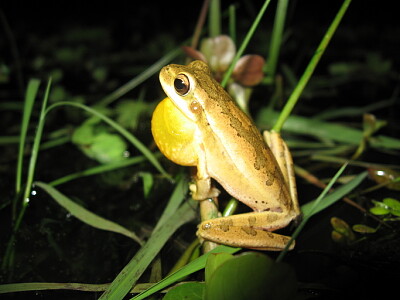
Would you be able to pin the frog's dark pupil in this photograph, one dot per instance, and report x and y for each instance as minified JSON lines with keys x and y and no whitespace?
{"x":179,"y":84}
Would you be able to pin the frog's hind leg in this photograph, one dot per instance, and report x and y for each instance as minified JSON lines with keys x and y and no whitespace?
{"x":250,"y":230}
{"x":285,"y":162}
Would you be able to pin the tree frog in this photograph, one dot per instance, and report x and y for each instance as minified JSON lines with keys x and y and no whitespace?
{"x":199,"y":124}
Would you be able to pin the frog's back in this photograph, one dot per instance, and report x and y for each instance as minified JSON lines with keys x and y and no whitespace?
{"x":240,"y":161}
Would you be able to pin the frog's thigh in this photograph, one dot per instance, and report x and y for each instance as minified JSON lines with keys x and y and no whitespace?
{"x":284,"y":158}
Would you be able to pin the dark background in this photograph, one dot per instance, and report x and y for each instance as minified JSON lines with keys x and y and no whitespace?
{"x":142,"y":32}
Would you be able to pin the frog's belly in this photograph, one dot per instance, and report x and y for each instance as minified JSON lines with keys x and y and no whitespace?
{"x":262,"y":189}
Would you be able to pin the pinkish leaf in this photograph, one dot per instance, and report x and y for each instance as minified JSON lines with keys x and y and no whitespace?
{"x":248,"y":70}
{"x":219,"y":52}
{"x":193,"y":53}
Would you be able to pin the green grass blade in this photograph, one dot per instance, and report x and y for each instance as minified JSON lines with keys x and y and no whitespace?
{"x":99,"y":169}
{"x":214,"y":18}
{"x":45,"y":286}
{"x":10,"y":140}
{"x":313,"y":207}
{"x":36,"y":143}
{"x":232,"y":22}
{"x":325,"y":130}
{"x":194,"y":266}
{"x":178,"y":195}
{"x":354,"y":111}
{"x":245,"y":42}
{"x":276,"y":38}
{"x":9,"y":253}
{"x":286,"y":111}
{"x":131,"y":138}
{"x":85,"y":215}
{"x":150,"y":71}
{"x":323,"y":201}
{"x":127,"y":278}
{"x":30,"y":96}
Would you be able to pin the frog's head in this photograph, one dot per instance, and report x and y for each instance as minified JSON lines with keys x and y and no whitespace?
{"x":188,"y":86}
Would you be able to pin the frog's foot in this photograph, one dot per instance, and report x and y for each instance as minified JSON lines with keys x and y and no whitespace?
{"x":202,"y":190}
{"x":250,"y":230}
{"x":223,"y":231}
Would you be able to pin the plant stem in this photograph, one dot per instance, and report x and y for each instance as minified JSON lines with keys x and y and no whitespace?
{"x":199,"y":24}
{"x":214,"y":18}
{"x":276,"y":38}
{"x":245,"y":42}
{"x":310,"y":68}
{"x":232,"y":22}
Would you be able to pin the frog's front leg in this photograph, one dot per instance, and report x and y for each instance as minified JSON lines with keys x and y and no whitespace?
{"x":202,"y":189}
{"x":249,"y":230}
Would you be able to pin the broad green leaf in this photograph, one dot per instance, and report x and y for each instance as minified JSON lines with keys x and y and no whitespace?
{"x":251,"y":276}
{"x":106,"y":148}
{"x":392,"y":203}
{"x":395,"y":212}
{"x":190,"y":268}
{"x":135,"y":142}
{"x":342,"y":227}
{"x":214,"y":261}
{"x":186,"y":291}
{"x":129,"y":112}
{"x":361,"y":228}
{"x":84,"y":134}
{"x":85,"y":215}
{"x":379,"y":211}
{"x":95,"y":140}
{"x":341,"y":231}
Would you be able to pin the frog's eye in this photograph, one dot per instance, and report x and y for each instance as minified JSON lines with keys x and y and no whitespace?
{"x":182,"y":84}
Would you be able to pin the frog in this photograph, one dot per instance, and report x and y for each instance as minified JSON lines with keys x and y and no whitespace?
{"x":199,"y":124}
